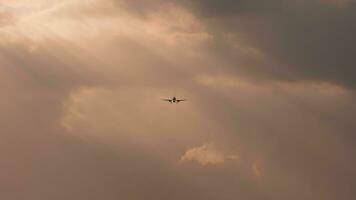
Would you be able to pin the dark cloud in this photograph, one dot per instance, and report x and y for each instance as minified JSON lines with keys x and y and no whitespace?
{"x":316,"y":40}
{"x":305,"y":40}
{"x":230,"y":8}
{"x":301,"y":40}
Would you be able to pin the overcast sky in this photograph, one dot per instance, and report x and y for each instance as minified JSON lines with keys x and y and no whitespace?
{"x":270,"y":87}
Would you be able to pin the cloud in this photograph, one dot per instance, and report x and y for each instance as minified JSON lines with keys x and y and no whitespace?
{"x":269,"y":39}
{"x":206,"y":154}
{"x":306,"y":89}
{"x":79,"y":21}
{"x":301,"y":40}
{"x":340,"y":3}
{"x":6,"y":18}
{"x":82,"y":83}
{"x":256,"y":170}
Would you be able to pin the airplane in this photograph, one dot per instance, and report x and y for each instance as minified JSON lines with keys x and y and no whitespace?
{"x":174,"y":100}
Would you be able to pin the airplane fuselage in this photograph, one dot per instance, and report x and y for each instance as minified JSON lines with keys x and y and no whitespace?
{"x":174,"y":100}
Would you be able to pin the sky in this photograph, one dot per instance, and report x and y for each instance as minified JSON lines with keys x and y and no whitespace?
{"x":270,"y":88}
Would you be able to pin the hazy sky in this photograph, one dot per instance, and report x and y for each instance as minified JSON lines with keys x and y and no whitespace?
{"x":270,"y":87}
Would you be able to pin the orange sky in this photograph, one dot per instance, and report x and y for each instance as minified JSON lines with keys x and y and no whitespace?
{"x":269,"y":112}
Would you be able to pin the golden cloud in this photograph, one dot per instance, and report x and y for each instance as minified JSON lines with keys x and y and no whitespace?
{"x":207,"y":154}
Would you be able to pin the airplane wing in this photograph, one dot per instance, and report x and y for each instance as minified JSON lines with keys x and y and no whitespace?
{"x":170,"y":100}
{"x":179,"y":100}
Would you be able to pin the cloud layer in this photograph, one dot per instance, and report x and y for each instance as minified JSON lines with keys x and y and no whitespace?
{"x":270,"y":84}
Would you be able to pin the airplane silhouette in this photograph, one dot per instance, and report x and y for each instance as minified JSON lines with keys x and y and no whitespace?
{"x":174,"y":100}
